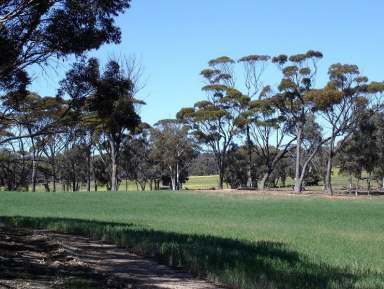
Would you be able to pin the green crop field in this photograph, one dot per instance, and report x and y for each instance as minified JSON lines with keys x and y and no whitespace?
{"x":262,"y":242}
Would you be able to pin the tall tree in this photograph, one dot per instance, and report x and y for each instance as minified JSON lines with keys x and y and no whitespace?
{"x":108,"y":96}
{"x":174,"y":149}
{"x":299,"y":73}
{"x":253,"y":69}
{"x":339,"y":103}
{"x":215,"y":121}
{"x":34,"y":32}
{"x":269,"y":131}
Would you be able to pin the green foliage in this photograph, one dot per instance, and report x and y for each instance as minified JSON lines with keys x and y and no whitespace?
{"x":31,"y":32}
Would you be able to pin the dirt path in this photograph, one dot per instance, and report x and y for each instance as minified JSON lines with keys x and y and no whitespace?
{"x":40,"y":259}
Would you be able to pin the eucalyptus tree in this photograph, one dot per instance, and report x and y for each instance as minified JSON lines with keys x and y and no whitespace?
{"x":32,"y":113}
{"x":360,"y":150}
{"x":108,"y":98}
{"x":215,"y":121}
{"x":339,"y":103}
{"x":269,"y":132}
{"x":137,"y":163}
{"x":299,"y":72}
{"x":37,"y":32}
{"x":32,"y":32}
{"x":253,"y":68}
{"x":174,"y":149}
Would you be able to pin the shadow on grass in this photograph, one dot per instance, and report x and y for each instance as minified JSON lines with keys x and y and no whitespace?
{"x":238,"y":264}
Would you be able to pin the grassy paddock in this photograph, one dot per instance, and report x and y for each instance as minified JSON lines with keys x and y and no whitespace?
{"x":255,"y":243}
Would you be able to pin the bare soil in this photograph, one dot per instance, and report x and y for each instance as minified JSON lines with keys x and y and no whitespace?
{"x":42,"y":259}
{"x":287,"y":193}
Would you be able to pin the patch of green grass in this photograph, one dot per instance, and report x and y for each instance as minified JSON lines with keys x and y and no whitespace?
{"x":248,"y":243}
{"x":201,"y":182}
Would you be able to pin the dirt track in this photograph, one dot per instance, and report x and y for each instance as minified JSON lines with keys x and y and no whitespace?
{"x":40,"y":259}
{"x":286,"y":193}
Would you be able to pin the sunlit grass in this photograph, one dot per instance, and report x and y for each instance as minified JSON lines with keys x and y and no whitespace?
{"x":279,"y":242}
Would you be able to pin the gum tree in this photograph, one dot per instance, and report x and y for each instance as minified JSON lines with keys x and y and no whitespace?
{"x":253,"y":68}
{"x":339,"y":103}
{"x":108,"y":98}
{"x":215,"y":121}
{"x":299,"y":73}
{"x":270,"y":133}
{"x":36,"y":32}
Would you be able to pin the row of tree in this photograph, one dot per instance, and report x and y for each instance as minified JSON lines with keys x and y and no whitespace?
{"x":274,"y":121}
{"x":91,"y":129}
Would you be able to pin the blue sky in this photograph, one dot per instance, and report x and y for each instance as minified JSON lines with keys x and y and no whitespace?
{"x":174,"y":39}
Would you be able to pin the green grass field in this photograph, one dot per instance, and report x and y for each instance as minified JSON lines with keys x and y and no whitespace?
{"x":247,"y":243}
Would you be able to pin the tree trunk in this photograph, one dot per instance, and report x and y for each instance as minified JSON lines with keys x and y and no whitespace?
{"x":177,"y":177}
{"x":54,"y":177}
{"x":54,"y":184}
{"x":261,"y":183}
{"x":249,"y":161}
{"x":113,"y":165}
{"x":46,"y":184}
{"x":33,"y":177}
{"x":357,"y":187}
{"x":221,"y":176}
{"x":143,"y":184}
{"x":89,"y":169}
{"x":34,"y":166}
{"x":299,"y":138}
{"x":369,"y":183}
{"x":328,"y":175}
{"x":300,"y":182}
{"x":350,"y":184}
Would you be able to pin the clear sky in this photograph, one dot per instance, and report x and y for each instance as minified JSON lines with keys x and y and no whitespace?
{"x":174,"y":39}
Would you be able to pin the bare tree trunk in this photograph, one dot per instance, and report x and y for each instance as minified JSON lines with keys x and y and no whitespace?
{"x":33,"y":177}
{"x":113,"y":165}
{"x":173,"y":179}
{"x":249,"y":161}
{"x":143,"y":184}
{"x":88,"y":169}
{"x":46,"y":184}
{"x":350,"y":184}
{"x":54,"y":184}
{"x":357,"y":187}
{"x":369,"y":183}
{"x":54,"y":177}
{"x":304,"y":168}
{"x":298,"y":180}
{"x":261,"y":183}
{"x":328,"y":176}
{"x":177,"y":176}
{"x":221,"y":175}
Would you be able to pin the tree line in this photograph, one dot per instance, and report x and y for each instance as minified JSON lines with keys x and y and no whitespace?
{"x":295,"y":119}
{"x":251,"y":134}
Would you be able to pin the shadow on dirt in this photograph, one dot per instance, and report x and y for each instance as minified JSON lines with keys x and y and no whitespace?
{"x":238,"y":264}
